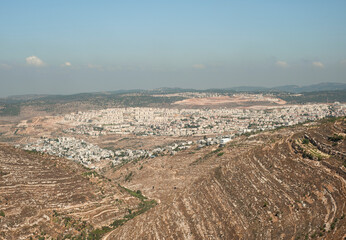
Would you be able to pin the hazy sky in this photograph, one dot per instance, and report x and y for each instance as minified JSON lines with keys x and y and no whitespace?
{"x":82,"y":46}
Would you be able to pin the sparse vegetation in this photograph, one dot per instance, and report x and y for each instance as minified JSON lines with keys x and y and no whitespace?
{"x":307,"y":155}
{"x":220,"y":154}
{"x":118,"y":223}
{"x":2,"y":213}
{"x":142,"y":207}
{"x":216,"y":150}
{"x":98,"y":233}
{"x":3,"y":173}
{"x":11,"y":109}
{"x":335,"y":138}
{"x":88,"y":232}
{"x":91,"y":174}
{"x":136,"y":194}
{"x":207,"y":156}
{"x":332,"y":226}
{"x":128,"y":177}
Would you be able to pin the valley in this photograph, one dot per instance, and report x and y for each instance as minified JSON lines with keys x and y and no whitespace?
{"x":255,"y":172}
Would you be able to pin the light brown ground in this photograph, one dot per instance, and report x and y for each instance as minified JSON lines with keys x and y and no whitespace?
{"x":33,"y":186}
{"x":260,"y":188}
{"x":224,"y":100}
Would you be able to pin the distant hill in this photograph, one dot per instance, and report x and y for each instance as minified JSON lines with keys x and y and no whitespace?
{"x":286,"y":88}
{"x":249,"y":89}
{"x":11,"y":106}
{"x":314,"y":97}
{"x":312,"y":88}
{"x":166,"y":90}
{"x":294,"y":88}
{"x":26,"y":97}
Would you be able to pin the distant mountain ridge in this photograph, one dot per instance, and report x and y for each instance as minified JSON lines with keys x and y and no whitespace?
{"x":295,"y":88}
{"x":333,"y":86}
{"x":312,"y":88}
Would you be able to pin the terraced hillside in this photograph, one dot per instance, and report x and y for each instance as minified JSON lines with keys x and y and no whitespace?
{"x":287,"y":184}
{"x":43,"y":197}
{"x":284,"y":184}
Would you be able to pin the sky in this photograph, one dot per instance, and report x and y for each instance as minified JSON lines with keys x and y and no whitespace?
{"x":65,"y":47}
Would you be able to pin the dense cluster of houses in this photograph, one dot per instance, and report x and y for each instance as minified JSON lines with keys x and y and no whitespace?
{"x":90,"y":155}
{"x":195,"y":122}
{"x":71,"y":148}
{"x":175,"y":122}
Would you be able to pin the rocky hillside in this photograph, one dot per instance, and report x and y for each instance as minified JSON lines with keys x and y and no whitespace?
{"x":44,"y":197}
{"x":287,"y":184}
{"x":283,"y":184}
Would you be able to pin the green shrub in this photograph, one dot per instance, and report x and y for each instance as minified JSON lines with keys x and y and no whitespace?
{"x":128,"y":177}
{"x":136,"y":194}
{"x":335,"y":138}
{"x":98,"y":233}
{"x":91,"y":173}
{"x":118,"y":222}
{"x":308,"y":155}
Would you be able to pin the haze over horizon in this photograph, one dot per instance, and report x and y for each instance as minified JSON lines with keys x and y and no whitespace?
{"x":64,"y":47}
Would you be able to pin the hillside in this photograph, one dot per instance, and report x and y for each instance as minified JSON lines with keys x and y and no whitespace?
{"x":44,"y":197}
{"x":279,"y":184}
{"x":312,"y":88}
{"x":286,"y":184}
{"x":317,"y":97}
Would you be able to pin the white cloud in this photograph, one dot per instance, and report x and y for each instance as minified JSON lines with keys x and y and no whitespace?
{"x":34,"y":61}
{"x":67,"y":64}
{"x":318,"y":64}
{"x":198,"y":66}
{"x":282,"y":64}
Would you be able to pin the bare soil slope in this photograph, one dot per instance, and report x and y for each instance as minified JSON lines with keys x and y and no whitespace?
{"x":44,"y":196}
{"x":271,"y":186}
